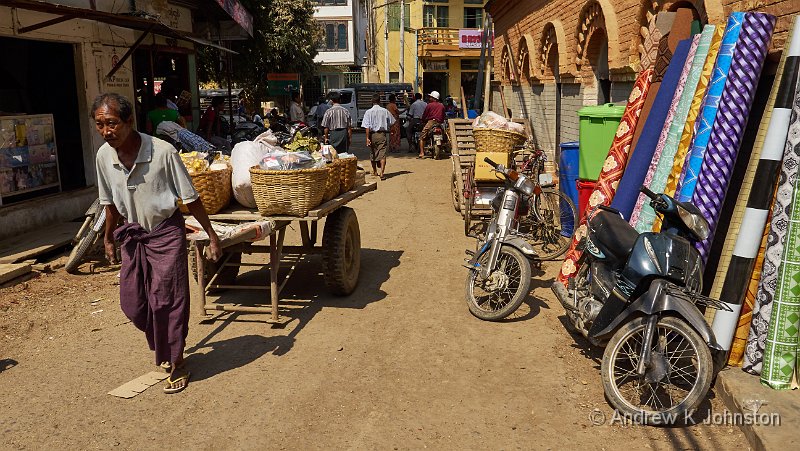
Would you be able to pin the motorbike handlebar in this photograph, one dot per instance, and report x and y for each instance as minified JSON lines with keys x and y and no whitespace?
{"x":648,"y":193}
{"x":490,"y":162}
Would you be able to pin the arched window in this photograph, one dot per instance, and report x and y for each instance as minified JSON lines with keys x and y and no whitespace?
{"x":330,"y":36}
{"x":342,"y":36}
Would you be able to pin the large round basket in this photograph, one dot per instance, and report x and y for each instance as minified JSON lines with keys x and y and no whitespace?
{"x":291,"y":193}
{"x":496,"y":140}
{"x":334,"y":182}
{"x":214,"y":188}
{"x":348,"y":173}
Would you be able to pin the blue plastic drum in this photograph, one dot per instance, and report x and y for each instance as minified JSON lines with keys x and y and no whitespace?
{"x":568,"y":169}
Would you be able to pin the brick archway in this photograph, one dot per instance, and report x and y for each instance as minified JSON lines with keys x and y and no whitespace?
{"x":508,"y":69}
{"x":525,"y":67}
{"x":551,"y":45}
{"x":597,"y":15}
{"x":707,"y":11}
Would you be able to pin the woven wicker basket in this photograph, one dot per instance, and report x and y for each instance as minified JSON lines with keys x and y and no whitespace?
{"x":348,"y":173}
{"x":334,"y":181}
{"x":214,"y":188}
{"x":496,"y":140}
{"x":291,"y":193}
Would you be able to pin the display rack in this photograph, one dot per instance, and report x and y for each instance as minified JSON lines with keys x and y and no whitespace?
{"x":28,"y":155}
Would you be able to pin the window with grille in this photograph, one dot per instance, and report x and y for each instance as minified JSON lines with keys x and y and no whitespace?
{"x":473,"y":18}
{"x":436,"y":16}
{"x":394,"y":17}
{"x":334,"y":37}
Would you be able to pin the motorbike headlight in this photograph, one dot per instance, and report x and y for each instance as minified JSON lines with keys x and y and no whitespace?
{"x":695,"y":222}
{"x":524,"y":185}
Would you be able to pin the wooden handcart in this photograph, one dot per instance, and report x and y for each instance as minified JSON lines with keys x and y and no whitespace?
{"x":340,"y":249}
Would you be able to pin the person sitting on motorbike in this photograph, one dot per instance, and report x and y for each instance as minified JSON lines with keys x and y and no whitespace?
{"x":433,"y":115}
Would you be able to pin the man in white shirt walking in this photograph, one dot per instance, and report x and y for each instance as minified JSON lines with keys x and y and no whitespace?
{"x":376,"y":123}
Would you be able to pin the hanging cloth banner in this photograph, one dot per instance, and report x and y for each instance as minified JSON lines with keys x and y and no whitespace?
{"x":694,"y":111}
{"x":781,"y":214}
{"x":728,"y":130}
{"x":613,"y":168}
{"x":664,"y":155}
{"x":635,"y":172}
{"x":708,"y":113}
{"x":766,"y":159}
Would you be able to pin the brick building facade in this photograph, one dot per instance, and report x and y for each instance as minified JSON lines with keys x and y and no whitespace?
{"x":551,"y":58}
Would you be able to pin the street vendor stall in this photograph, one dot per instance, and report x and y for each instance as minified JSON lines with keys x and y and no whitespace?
{"x":241,"y":228}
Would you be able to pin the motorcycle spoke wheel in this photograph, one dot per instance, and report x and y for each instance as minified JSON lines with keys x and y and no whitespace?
{"x":677,"y":377}
{"x":545,"y":227}
{"x":504,"y":290}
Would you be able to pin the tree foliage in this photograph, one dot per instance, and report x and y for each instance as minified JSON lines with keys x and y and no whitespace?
{"x":284,"y":40}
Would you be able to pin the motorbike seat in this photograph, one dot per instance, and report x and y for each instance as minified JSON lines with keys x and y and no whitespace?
{"x":614,"y":233}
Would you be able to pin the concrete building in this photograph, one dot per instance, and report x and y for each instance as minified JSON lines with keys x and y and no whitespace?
{"x":554,"y":57}
{"x":59,"y":57}
{"x":342,"y":49}
{"x":440,"y":42}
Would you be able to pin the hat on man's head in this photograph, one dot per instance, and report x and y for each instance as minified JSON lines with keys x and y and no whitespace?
{"x":434,"y":94}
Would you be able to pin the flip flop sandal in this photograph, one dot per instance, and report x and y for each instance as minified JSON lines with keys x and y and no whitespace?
{"x":169,"y":389}
{"x":166,"y":366}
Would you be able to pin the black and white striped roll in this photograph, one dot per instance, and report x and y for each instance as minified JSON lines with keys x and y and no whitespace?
{"x":748,"y":241}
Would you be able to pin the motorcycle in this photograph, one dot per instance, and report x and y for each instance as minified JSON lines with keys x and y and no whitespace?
{"x":437,"y":143}
{"x":88,"y":236}
{"x":286,"y":131}
{"x":639,"y":295}
{"x":499,"y":275}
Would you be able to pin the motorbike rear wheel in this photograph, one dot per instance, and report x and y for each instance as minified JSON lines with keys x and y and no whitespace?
{"x":680,"y":363}
{"x":503,"y":292}
{"x":543,"y":227}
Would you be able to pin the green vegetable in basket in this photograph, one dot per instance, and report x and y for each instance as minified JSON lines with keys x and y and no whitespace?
{"x":303,"y":144}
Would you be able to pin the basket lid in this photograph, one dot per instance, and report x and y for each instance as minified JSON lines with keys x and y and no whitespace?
{"x":609,"y":110}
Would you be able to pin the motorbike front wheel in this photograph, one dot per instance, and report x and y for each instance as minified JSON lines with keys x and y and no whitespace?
{"x":677,"y":377}
{"x":501,"y":294}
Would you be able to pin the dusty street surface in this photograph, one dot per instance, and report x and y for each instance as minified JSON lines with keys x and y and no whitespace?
{"x":400,"y":364}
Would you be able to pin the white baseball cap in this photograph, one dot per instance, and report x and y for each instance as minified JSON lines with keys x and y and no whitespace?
{"x":434,"y":94}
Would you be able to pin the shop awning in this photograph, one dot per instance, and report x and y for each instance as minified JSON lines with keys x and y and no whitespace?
{"x":135,"y":21}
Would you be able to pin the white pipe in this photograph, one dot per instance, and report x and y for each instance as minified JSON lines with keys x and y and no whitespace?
{"x":402,"y":41}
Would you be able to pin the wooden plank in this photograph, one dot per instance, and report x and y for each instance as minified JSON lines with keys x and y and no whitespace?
{"x":45,"y":239}
{"x":244,"y":214}
{"x":9,"y":271}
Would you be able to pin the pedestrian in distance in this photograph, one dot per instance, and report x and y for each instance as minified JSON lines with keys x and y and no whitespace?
{"x":141,"y":179}
{"x":162,"y":113}
{"x":377,"y":123}
{"x":210,"y":127}
{"x":338,"y":125}
{"x":317,"y":113}
{"x":296,"y":113}
{"x":415,"y":112}
{"x":434,"y":113}
{"x":394,"y":132}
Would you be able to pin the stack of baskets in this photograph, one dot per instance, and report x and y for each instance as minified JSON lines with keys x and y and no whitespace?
{"x":292,"y":192}
{"x":496,"y":144}
{"x":214,"y":188}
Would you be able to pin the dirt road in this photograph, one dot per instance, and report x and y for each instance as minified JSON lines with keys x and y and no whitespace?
{"x":400,"y":364}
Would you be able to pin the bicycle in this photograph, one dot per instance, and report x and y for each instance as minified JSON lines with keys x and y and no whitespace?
{"x":551,"y":218}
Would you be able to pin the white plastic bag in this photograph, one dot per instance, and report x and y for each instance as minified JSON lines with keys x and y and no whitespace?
{"x":515,"y":127}
{"x":268,"y":138}
{"x":245,"y":155}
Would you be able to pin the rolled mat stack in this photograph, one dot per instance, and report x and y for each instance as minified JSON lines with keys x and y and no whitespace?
{"x":755,"y":202}
{"x":635,"y":172}
{"x":613,"y":168}
{"x":781,"y":216}
{"x":708,"y":113}
{"x":728,"y":129}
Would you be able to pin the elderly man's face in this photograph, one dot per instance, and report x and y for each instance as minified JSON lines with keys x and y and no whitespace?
{"x":113,"y":129}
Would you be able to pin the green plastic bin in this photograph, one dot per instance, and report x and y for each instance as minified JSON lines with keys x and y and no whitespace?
{"x":598,"y":125}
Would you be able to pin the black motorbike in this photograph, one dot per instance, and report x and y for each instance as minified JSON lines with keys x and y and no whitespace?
{"x":285,"y":130}
{"x":639,"y":295}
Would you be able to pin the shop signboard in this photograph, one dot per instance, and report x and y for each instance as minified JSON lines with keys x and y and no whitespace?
{"x":239,"y":14}
{"x":470,"y":39}
{"x":283,"y":84}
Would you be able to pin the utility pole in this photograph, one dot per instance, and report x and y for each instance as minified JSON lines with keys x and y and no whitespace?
{"x":386,"y":43}
{"x":402,"y":41}
{"x":416,"y":61}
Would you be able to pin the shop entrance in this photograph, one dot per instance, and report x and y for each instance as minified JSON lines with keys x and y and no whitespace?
{"x":161,"y":69}
{"x":469,"y":81}
{"x":435,"y":81}
{"x":41,"y":79}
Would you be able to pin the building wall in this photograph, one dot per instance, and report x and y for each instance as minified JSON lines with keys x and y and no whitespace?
{"x":525,"y":33}
{"x":343,"y":13}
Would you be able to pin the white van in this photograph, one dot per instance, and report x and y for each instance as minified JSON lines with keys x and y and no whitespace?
{"x":357,"y":98}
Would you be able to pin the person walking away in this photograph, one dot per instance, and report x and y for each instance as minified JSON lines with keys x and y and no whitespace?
{"x":414,"y":114}
{"x":211,"y":124}
{"x":433,"y":114}
{"x":141,"y":179}
{"x":161,"y":113}
{"x":377,"y":122}
{"x":318,"y":113}
{"x":394,"y":132}
{"x":295,"y":109}
{"x":338,"y":125}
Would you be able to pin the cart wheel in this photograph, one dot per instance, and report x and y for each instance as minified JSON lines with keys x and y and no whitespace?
{"x":228,"y":275}
{"x":341,"y":251}
{"x":456,"y":189}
